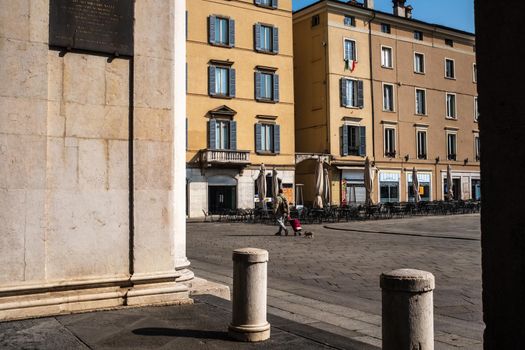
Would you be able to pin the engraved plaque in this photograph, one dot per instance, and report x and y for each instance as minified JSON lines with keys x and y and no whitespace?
{"x":95,"y":25}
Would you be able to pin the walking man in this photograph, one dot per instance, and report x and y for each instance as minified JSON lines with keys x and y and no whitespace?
{"x":281,"y":211}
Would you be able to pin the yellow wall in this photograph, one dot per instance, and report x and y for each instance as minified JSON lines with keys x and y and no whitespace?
{"x":245,"y":59}
{"x":318,"y":122}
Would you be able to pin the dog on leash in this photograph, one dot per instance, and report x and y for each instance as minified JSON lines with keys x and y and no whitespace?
{"x":308,"y":234}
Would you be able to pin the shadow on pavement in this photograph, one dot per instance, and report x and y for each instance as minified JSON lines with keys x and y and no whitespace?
{"x":186,"y":333}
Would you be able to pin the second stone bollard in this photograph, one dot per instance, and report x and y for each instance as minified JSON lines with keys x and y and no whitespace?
{"x":249,"y":295}
{"x":408,"y":314}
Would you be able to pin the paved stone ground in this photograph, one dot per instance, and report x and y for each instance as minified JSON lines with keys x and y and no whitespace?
{"x":331,"y":282}
{"x":199,"y":326}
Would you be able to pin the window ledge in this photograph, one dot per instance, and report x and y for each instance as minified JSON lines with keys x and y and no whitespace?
{"x":352,"y":107}
{"x":266,"y":153}
{"x":226,"y":46}
{"x":267,"y":52}
{"x":222,"y":97}
{"x":265,"y":101}
{"x":386,"y":67}
{"x":451,"y":118}
{"x":421,"y":115}
{"x":450,"y":78}
{"x":389,"y":111}
{"x":420,"y":73}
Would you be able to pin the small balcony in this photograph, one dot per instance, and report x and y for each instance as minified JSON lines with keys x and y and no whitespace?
{"x":210,"y":157}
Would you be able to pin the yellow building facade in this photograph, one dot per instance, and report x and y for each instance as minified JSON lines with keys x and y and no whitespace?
{"x":240,"y":101}
{"x":385,"y":86}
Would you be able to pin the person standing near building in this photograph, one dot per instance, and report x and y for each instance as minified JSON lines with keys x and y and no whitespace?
{"x":281,"y":211}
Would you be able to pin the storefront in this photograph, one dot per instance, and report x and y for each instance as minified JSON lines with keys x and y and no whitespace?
{"x":389,"y":183}
{"x":353,"y":187}
{"x":217,"y":189}
{"x":465,"y":185}
{"x":425,"y":186}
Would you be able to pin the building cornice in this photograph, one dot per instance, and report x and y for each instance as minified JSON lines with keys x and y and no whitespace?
{"x":344,"y":8}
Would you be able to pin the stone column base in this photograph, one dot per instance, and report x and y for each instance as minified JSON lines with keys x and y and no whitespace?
{"x":46,"y":299}
{"x":249,"y":333}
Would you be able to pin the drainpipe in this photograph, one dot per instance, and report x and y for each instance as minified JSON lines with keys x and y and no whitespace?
{"x":372,"y":85}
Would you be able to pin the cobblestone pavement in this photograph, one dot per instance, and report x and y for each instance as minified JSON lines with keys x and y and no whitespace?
{"x":332,"y":280}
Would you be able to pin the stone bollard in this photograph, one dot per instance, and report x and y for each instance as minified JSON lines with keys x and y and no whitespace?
{"x":249,"y":296}
{"x":408,"y":314}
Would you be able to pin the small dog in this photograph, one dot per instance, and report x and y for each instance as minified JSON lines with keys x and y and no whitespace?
{"x":308,"y":234}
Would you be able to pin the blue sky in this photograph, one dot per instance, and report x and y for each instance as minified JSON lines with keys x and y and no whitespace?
{"x":457,"y":14}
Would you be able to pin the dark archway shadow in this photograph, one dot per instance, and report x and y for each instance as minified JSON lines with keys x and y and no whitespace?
{"x":185,"y":333}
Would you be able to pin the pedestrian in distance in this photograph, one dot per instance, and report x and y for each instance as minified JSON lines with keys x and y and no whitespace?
{"x":281,"y":210}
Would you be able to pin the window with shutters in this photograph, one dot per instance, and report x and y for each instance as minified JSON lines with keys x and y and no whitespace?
{"x":353,"y":140}
{"x":352,"y":93}
{"x":451,"y":145}
{"x":421,"y":103}
{"x":386,"y":57}
{"x":349,"y":21}
{"x":350,"y":53}
{"x":450,"y":72}
{"x":267,"y":138}
{"x":221,"y":81}
{"x":266,"y":86}
{"x":451,"y":105}
{"x":266,"y":38}
{"x":421,"y":144}
{"x":315,"y":20}
{"x":388,"y":97}
{"x":419,"y":63}
{"x":477,"y":148}
{"x":390,"y":142}
{"x":476,"y":111}
{"x":221,"y":31}
{"x":267,"y":3}
{"x":222,"y":134}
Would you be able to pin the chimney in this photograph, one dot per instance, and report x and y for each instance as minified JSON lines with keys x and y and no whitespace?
{"x":369,"y":4}
{"x":408,"y":11}
{"x":399,"y":8}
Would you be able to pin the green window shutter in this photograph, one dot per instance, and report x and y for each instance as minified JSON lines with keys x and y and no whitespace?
{"x":232,"y":82}
{"x":275,"y":44}
{"x":233,"y":135}
{"x":211,"y":29}
{"x":360,"y":94}
{"x":212,"y":128}
{"x":276,"y":88}
{"x":231,"y":33}
{"x":257,"y":34}
{"x":276,"y":139}
{"x":344,"y":140}
{"x":362,"y":141}
{"x":258,"y":138}
{"x":257,"y":85}
{"x":211,"y":80}
{"x":343,"y":88}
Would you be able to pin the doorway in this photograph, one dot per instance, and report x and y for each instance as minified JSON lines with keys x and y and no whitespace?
{"x":221,"y":198}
